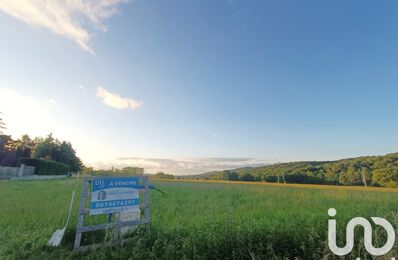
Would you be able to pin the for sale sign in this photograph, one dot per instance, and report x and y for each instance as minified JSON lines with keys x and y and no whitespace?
{"x":111,"y":195}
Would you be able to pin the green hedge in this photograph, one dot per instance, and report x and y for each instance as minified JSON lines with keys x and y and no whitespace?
{"x":46,"y":167}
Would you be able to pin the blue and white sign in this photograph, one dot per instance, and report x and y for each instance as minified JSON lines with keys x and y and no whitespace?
{"x":110,"y":195}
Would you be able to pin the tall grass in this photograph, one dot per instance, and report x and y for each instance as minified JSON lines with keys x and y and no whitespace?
{"x":197,"y":220}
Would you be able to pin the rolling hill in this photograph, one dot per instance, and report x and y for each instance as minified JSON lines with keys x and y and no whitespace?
{"x":366,"y":170}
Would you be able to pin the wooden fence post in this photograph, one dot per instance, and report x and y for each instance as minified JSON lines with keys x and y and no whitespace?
{"x":146,"y":199}
{"x":80,"y":219}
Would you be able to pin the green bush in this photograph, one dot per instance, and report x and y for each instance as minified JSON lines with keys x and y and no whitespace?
{"x":46,"y":167}
{"x":271,"y":178}
{"x":303,"y":178}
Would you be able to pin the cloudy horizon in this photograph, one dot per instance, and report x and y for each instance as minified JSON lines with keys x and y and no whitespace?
{"x":180,"y":166}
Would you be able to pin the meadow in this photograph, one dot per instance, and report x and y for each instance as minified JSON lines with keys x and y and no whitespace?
{"x":198,"y":220}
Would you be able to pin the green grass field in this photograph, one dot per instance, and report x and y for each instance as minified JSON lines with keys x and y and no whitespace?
{"x":196,"y":220}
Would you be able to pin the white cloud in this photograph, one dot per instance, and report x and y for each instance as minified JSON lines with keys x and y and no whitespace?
{"x":181,"y":166}
{"x":116,"y":101}
{"x":69,"y":18}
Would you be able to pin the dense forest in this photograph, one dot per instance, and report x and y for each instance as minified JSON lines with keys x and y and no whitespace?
{"x":366,"y":171}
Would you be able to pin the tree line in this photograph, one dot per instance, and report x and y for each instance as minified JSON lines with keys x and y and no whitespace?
{"x":125,"y":171}
{"x":365,"y":171}
{"x":48,"y":148}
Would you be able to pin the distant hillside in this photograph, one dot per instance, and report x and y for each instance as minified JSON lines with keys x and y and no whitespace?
{"x":209,"y":175}
{"x":367,"y":170}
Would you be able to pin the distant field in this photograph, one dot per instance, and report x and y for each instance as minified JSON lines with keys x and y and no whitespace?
{"x":197,"y":220}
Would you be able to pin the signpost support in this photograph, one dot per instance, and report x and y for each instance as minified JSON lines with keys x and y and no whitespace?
{"x":146,"y":199}
{"x":80,"y":217}
{"x":117,"y":223}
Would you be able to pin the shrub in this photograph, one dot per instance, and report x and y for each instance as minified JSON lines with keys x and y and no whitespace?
{"x":46,"y":167}
{"x":391,"y":184}
{"x":271,"y":179}
{"x":302,"y":178}
{"x":246,"y":177}
{"x":385,"y":176}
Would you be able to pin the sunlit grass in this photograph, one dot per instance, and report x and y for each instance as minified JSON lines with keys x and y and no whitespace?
{"x":196,"y":220}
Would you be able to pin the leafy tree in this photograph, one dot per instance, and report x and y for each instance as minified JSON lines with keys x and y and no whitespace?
{"x":87,"y":170}
{"x":162,"y":175}
{"x":271,"y":179}
{"x":247,"y":177}
{"x":46,"y":147}
{"x":331,"y":176}
{"x":24,"y":146}
{"x":365,"y":174}
{"x":352,"y":176}
{"x":63,"y":152}
{"x":68,"y":156}
{"x":132,"y":171}
{"x":233,"y":176}
{"x":7,"y":154}
{"x":229,"y":175}
{"x":386,"y":177}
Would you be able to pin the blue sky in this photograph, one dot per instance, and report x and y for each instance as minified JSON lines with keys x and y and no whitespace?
{"x":190,"y":86}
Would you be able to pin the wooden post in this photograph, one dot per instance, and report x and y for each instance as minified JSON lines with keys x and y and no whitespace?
{"x":146,"y":199}
{"x":80,"y":218}
{"x":116,"y":231}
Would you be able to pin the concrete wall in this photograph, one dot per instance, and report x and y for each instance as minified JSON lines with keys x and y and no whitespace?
{"x":15,"y":172}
